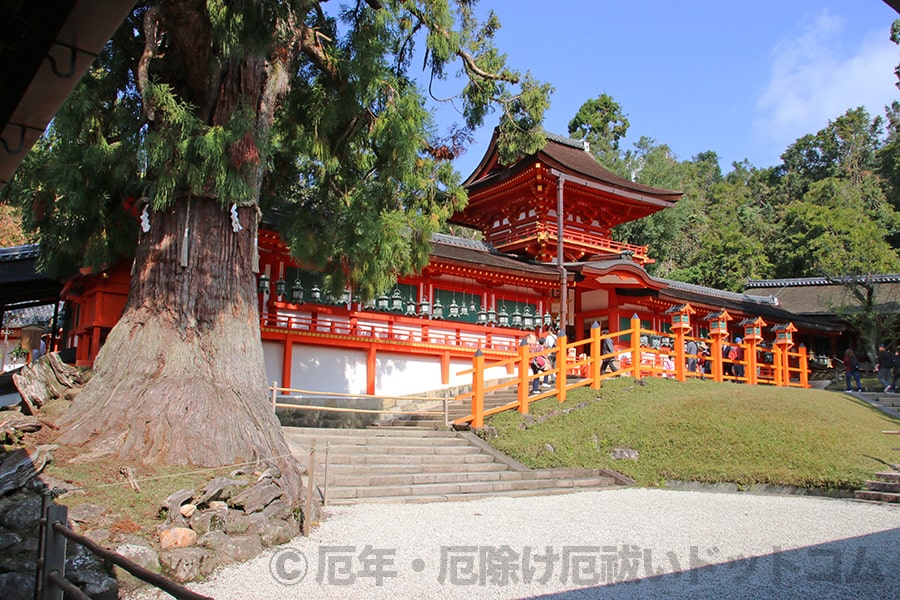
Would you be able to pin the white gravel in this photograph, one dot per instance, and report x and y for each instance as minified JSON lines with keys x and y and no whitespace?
{"x":629,"y":543}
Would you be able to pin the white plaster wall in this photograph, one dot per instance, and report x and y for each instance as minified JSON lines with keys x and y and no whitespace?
{"x":324,"y":369}
{"x":403,"y":374}
{"x":273,"y":352}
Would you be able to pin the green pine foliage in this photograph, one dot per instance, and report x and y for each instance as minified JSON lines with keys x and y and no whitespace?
{"x":329,"y":127}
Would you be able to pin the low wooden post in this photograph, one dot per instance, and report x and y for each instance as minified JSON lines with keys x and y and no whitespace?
{"x":524,"y":371}
{"x":561,"y":375}
{"x":635,"y":346}
{"x":478,"y":390}
{"x":446,"y":408}
{"x":325,"y":485}
{"x":596,"y":354}
{"x":310,"y":486}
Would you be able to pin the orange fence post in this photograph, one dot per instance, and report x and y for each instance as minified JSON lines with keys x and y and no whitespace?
{"x":777,"y":365}
{"x":524,"y":370}
{"x":561,"y":374}
{"x":804,"y":366}
{"x":718,"y":331}
{"x":786,"y":366}
{"x":715,"y":355}
{"x":752,"y":337}
{"x":635,"y":346}
{"x":596,"y":355}
{"x":750,"y":356}
{"x":681,"y":325}
{"x":478,"y":390}
{"x":679,"y":355}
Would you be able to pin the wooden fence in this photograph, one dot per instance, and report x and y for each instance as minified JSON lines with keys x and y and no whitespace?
{"x":579,"y":364}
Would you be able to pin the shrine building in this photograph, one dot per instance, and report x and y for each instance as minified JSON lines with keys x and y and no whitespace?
{"x":546,"y":257}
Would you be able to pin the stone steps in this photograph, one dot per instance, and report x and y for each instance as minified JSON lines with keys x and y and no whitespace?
{"x":455,"y":410}
{"x":414,"y":464}
{"x":884,"y":488}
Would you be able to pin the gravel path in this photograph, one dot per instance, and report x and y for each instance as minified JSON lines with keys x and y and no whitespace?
{"x":630,"y":543}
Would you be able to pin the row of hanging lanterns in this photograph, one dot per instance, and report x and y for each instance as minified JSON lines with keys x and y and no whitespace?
{"x":395,"y":303}
{"x":297,"y":292}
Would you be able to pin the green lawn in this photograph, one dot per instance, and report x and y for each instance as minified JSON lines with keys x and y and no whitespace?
{"x":707,"y":432}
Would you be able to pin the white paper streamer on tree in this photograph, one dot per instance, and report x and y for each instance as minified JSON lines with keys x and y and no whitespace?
{"x":145,"y":220}
{"x":235,"y":223}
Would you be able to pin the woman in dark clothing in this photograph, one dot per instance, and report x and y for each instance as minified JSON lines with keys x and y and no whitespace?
{"x":851,"y":363}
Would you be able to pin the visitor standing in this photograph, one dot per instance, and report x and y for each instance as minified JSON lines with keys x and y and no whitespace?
{"x":549,"y":344}
{"x":691,"y":350}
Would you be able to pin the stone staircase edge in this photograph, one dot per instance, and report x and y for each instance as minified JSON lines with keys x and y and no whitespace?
{"x":488,"y":449}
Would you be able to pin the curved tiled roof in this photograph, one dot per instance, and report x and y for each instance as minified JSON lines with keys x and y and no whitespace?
{"x":483,"y":254}
{"x":810,"y":281}
{"x":570,"y":156}
{"x":14,"y":253}
{"x":830,"y":296}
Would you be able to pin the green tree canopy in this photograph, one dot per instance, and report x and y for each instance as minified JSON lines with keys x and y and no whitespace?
{"x":199,"y":115}
{"x":602,"y":124}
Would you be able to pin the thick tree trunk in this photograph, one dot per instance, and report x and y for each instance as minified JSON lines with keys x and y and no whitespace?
{"x":181,"y":379}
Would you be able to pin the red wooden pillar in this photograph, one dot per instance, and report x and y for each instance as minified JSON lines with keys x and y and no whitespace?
{"x":286,"y":361}
{"x":371,"y":365}
{"x":445,"y":368}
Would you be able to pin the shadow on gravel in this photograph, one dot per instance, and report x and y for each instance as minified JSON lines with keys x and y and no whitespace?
{"x":860,"y":567}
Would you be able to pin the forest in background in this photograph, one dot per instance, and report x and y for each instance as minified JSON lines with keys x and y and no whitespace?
{"x":831,"y":207}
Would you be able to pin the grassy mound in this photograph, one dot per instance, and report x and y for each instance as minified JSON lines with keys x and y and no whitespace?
{"x":707,"y":432}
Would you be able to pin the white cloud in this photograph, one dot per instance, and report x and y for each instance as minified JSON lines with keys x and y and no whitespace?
{"x":811,"y":82}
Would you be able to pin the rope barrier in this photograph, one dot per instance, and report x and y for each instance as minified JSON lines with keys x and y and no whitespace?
{"x":359,"y":410}
{"x":298,"y":392}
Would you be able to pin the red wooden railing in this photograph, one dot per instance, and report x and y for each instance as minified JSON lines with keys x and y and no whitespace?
{"x":787,"y":368}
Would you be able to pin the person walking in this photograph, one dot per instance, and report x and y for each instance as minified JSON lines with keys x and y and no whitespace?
{"x":896,"y":369}
{"x":609,"y":351}
{"x":851,"y":364}
{"x":885,"y":367}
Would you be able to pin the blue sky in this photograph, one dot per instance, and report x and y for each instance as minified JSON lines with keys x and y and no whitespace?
{"x":744,"y":79}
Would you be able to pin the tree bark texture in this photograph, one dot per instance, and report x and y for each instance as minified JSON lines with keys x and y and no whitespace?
{"x":181,"y":379}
